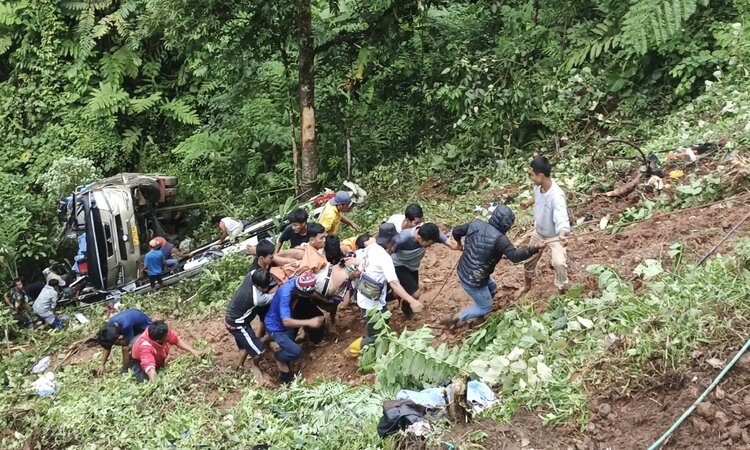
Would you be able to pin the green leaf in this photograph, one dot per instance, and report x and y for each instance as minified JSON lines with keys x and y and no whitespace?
{"x":648,"y":269}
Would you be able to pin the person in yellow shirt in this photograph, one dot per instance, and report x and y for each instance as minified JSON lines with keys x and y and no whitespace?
{"x":333,"y":213}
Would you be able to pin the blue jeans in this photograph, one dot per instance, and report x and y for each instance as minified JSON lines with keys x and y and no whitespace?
{"x":290,"y":351}
{"x":482,"y":297}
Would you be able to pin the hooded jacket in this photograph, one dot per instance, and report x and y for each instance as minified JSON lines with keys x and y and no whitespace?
{"x":486,"y":243}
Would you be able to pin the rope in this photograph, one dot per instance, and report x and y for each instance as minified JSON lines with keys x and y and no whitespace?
{"x":445,"y":280}
{"x":724,"y":239}
{"x":659,"y":442}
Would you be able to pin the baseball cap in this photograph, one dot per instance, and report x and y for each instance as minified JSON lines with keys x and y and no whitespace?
{"x":305,"y":282}
{"x":153,"y":243}
{"x":387,"y":234}
{"x":341,"y":198}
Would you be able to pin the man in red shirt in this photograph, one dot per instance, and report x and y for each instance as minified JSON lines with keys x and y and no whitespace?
{"x":151,"y":350}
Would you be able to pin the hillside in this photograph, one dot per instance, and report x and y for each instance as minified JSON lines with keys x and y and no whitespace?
{"x":440,"y":103}
{"x":644,"y":328}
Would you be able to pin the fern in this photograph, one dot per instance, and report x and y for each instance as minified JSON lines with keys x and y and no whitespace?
{"x":119,"y":64}
{"x":181,"y":112}
{"x":408,"y":360}
{"x":139,"y":105}
{"x":130,"y":138}
{"x":107,"y":99}
{"x":10,"y":13}
{"x":199,"y":146}
{"x":653,"y":22}
{"x":5,"y":43}
{"x":646,"y":24}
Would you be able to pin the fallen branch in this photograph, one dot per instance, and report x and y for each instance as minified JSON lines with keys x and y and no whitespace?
{"x":76,"y":347}
{"x":626,"y":188}
{"x":12,"y":348}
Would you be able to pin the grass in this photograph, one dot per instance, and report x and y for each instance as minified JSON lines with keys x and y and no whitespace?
{"x":624,"y":335}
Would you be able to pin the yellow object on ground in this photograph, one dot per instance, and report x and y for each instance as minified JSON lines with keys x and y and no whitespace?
{"x":676,"y":174}
{"x":355,"y":348}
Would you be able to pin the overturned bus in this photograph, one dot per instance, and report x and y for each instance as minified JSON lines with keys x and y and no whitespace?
{"x":115,"y":218}
{"x":117,"y":215}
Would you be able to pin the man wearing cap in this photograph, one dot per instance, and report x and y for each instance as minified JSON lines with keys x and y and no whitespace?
{"x":154,"y":264}
{"x":292,"y":309}
{"x":171,"y":251}
{"x":44,"y":305}
{"x":377,"y":274}
{"x":250,"y":300}
{"x":122,"y":329}
{"x":332,"y":214}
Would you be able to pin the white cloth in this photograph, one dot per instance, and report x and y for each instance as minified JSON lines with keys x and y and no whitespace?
{"x":260,"y":298}
{"x":322,"y":278}
{"x":378,"y":265}
{"x":397,"y":220}
{"x":550,"y":211}
{"x":234,"y":227}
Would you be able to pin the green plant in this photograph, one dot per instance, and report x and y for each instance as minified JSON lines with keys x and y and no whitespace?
{"x":408,"y":360}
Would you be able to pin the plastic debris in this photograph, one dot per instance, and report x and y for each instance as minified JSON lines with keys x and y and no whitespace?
{"x":41,"y":365}
{"x":45,"y":385}
{"x":480,"y":396}
{"x":656,"y":183}
{"x":603,"y":223}
{"x":81,"y":318}
{"x":355,"y":348}
{"x":429,"y":398}
{"x":653,"y":166}
{"x":420,"y":428}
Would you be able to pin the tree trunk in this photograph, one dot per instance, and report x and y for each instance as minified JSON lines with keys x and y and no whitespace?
{"x":309,"y":144}
{"x":349,"y":115}
{"x":290,"y":111}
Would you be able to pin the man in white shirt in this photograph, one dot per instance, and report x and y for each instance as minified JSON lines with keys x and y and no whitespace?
{"x":551,"y":224}
{"x":377,"y":274}
{"x":412,"y":217}
{"x":229,"y":226}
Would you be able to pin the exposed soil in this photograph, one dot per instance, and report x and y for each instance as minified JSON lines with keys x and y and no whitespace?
{"x":617,"y":422}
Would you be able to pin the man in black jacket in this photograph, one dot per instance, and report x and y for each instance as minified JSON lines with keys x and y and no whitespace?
{"x":485,"y":244}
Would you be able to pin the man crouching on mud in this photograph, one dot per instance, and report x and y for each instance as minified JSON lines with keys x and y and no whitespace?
{"x":292,"y":309}
{"x":486,"y":243}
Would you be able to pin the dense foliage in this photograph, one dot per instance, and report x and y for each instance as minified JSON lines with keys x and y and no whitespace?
{"x":208,"y":90}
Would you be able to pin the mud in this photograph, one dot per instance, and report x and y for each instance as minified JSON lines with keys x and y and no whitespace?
{"x":627,"y":422}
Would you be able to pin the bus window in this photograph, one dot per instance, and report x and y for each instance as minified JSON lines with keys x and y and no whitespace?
{"x":108,"y":240}
{"x":121,"y":238}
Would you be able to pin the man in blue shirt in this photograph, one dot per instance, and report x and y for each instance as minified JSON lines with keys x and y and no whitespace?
{"x":154,"y":264}
{"x":121,"y":329}
{"x":292,"y":309}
